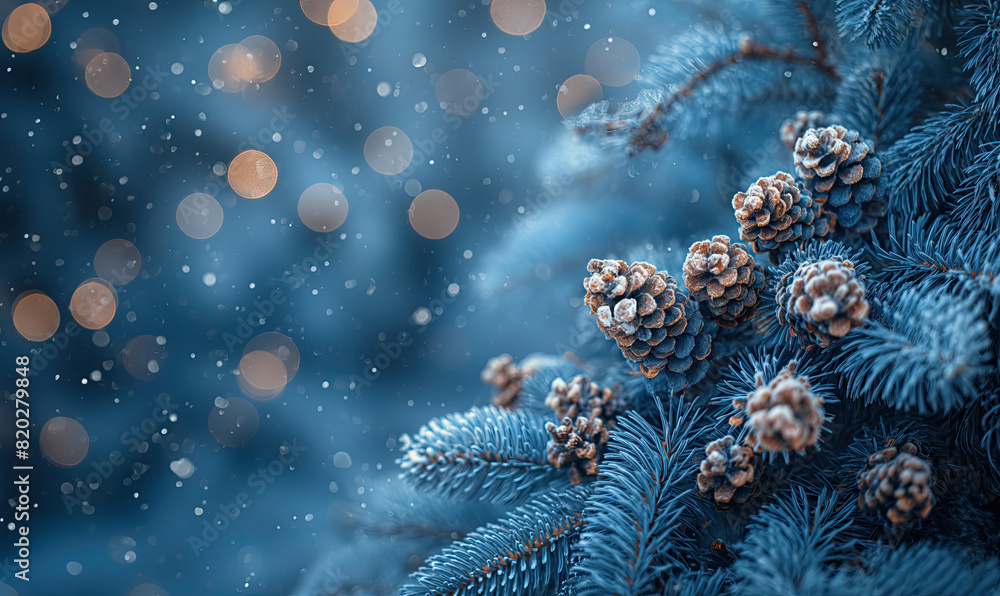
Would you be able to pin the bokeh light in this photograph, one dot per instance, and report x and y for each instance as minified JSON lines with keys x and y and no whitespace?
{"x":613,"y":61}
{"x":458,"y":91}
{"x":322,"y":208}
{"x":256,"y":59}
{"x":199,"y":215}
{"x":358,"y":26}
{"x":92,"y":42}
{"x":434,"y":214}
{"x":143,"y":356}
{"x":108,"y":75}
{"x":517,"y":17}
{"x":36,"y":316}
{"x":148,"y":589}
{"x":388,"y":150}
{"x":234,"y":422}
{"x":6,"y":590}
{"x":328,"y":12}
{"x":252,"y":174}
{"x":26,"y":28}
{"x":64,"y":441}
{"x":265,"y":374}
{"x":117,"y":261}
{"x":576,"y":93}
{"x":279,"y":345}
{"x":94,"y":303}
{"x":222,"y":70}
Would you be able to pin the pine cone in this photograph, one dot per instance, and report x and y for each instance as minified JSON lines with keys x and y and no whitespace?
{"x":582,"y":397}
{"x":842,"y":173}
{"x":504,"y":374}
{"x":774,"y":215}
{"x":821,"y":300}
{"x":793,"y":128}
{"x":785,"y":415}
{"x":579,"y":445}
{"x":723,"y":276}
{"x":727,"y":474}
{"x":897,"y":484}
{"x":653,"y":321}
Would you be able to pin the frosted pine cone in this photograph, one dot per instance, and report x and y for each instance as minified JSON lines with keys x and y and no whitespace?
{"x":784,"y":414}
{"x":775,"y":215}
{"x":722,"y":275}
{"x":581,"y":397}
{"x":727,"y":474}
{"x":504,"y":374}
{"x":793,"y":128}
{"x":897,"y":484}
{"x":821,"y":301}
{"x":653,"y":321}
{"x":578,"y":445}
{"x":842,"y":173}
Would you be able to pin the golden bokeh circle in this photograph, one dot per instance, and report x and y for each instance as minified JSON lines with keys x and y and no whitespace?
{"x":35,"y":315}
{"x":613,"y":61}
{"x":576,"y":93}
{"x":264,"y":372}
{"x":256,"y":59}
{"x":108,"y":75}
{"x":64,"y":441}
{"x":388,"y":150}
{"x":235,"y":424}
{"x":222,"y":70}
{"x":322,"y":207}
{"x":458,"y":91}
{"x":142,"y":357}
{"x":279,"y":345}
{"x":199,"y":215}
{"x":434,"y":214}
{"x":26,"y":28}
{"x":359,"y":25}
{"x":94,"y":304}
{"x":517,"y":17}
{"x":252,"y":174}
{"x":92,"y":42}
{"x":328,"y":12}
{"x":117,"y":261}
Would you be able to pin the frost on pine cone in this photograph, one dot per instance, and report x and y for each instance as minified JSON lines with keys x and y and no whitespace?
{"x":775,"y":215}
{"x":578,"y":445}
{"x":784,"y":414}
{"x":793,"y":128}
{"x":722,"y":275}
{"x":583,"y":397}
{"x":896,"y":483}
{"x":504,"y":374}
{"x":653,"y":321}
{"x":821,"y":301}
{"x":842,"y":173}
{"x":727,"y":473}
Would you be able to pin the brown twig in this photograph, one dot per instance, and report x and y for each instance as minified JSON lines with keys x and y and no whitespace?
{"x":813,"y":27}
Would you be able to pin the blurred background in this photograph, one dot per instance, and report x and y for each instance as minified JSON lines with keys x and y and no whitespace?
{"x":246,"y":245}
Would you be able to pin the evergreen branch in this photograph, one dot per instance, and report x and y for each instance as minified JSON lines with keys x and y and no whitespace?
{"x":937,"y":257}
{"x":791,"y":541}
{"x":526,"y":552}
{"x":487,"y":454}
{"x":647,"y":130}
{"x":977,"y":208}
{"x":812,"y":25}
{"x":929,"y":354}
{"x":928,"y":164}
{"x":979,"y":44}
{"x":880,"y":22}
{"x":922,"y":569}
{"x":882,"y":101}
{"x":635,"y":510}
